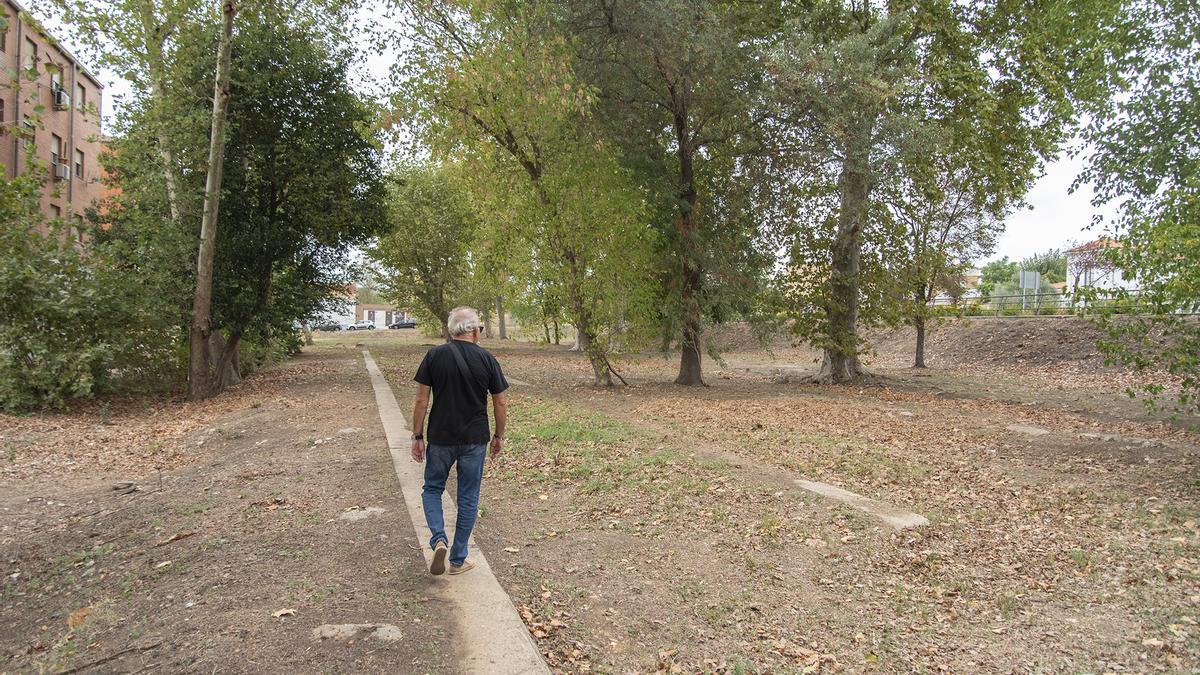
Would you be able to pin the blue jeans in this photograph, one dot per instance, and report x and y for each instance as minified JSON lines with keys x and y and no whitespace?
{"x":438,"y":460}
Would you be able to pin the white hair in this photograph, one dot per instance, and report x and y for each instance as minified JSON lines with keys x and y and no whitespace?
{"x":462,"y":320}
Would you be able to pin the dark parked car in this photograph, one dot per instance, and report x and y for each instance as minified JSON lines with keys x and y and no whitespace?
{"x":403,"y":323}
{"x":328,"y":325}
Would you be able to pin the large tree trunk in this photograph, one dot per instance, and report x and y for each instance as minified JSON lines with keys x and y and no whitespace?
{"x":199,"y":380}
{"x":840,"y":362}
{"x":500,"y":317}
{"x":228,"y":359}
{"x":687,"y":225}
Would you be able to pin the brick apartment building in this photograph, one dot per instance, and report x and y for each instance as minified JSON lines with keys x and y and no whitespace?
{"x":66,"y":131}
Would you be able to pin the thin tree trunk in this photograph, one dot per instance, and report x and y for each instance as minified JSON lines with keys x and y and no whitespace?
{"x":155,"y":36}
{"x":919,"y":324}
{"x":600,"y":373}
{"x":840,"y":362}
{"x":500,"y":317}
{"x":919,"y":361}
{"x":199,"y":380}
{"x":557,"y":332}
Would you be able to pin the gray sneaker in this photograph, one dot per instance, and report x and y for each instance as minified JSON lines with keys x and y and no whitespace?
{"x":438,"y":566}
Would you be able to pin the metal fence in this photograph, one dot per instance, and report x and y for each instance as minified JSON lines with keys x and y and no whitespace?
{"x":1035,"y":304}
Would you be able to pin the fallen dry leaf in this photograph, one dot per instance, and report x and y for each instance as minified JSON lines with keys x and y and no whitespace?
{"x":173,"y":538}
{"x":280,"y":613}
{"x":78,"y":617}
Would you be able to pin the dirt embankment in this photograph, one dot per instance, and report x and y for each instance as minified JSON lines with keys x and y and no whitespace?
{"x":1002,"y":341}
{"x":993,"y":341}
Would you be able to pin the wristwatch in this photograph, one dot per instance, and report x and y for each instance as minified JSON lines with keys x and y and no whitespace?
{"x":418,"y":437}
{"x":497,"y":437}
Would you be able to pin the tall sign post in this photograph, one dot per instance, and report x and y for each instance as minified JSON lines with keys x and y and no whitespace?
{"x":1029,"y":279}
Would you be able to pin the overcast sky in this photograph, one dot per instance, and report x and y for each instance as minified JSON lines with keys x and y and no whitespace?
{"x":1056,"y":218}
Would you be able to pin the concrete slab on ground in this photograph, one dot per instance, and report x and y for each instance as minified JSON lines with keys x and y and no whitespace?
{"x":493,"y":637}
{"x":892,"y":515}
{"x":1027,"y":430}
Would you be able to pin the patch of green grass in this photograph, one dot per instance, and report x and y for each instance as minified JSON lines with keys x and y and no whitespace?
{"x":770,"y":530}
{"x":553,"y":442}
{"x":689,"y":590}
{"x":740,"y":666}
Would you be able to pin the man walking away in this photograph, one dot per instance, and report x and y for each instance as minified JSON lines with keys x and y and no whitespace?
{"x":461,"y":374}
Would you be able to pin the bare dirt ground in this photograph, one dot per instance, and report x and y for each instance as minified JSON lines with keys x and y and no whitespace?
{"x":187,"y":572}
{"x":649,"y":529}
{"x":658,"y":528}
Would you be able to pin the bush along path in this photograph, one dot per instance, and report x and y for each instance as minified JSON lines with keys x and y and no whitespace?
{"x":278,"y":543}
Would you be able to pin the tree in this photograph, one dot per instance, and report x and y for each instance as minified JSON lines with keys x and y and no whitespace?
{"x":77,"y":322}
{"x":1087,"y":259}
{"x":948,"y":221}
{"x":678,"y":82}
{"x":144,"y":41}
{"x":423,"y":254}
{"x":859,"y":82}
{"x":303,"y":187}
{"x":997,"y":273}
{"x":1146,"y":140}
{"x":200,"y":384}
{"x":490,"y":81}
{"x":302,"y":181}
{"x":1051,"y":264}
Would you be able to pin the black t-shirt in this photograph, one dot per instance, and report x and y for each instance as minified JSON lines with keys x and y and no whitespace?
{"x":459,"y":414}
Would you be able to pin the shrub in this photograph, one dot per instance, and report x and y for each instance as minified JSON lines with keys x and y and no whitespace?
{"x":76,"y":321}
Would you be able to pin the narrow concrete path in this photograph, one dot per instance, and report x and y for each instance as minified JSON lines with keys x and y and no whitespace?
{"x":493,"y":637}
{"x":892,"y":515}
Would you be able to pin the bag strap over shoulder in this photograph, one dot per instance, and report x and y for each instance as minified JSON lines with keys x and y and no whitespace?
{"x":462,"y":363}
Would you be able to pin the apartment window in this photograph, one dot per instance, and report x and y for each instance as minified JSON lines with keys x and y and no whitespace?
{"x":29,"y":132}
{"x":4,"y":36}
{"x":55,"y":149}
{"x":55,"y":78}
{"x":29,"y":59}
{"x":1,"y":111}
{"x":55,"y":211}
{"x":80,"y":96}
{"x":79,"y":164}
